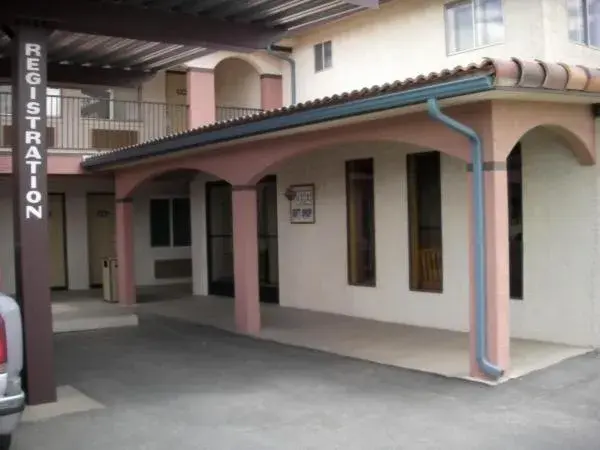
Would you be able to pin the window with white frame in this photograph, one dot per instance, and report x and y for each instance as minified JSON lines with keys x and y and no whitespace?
{"x":170,"y":222}
{"x":473,"y":23}
{"x":584,"y":21}
{"x":323,"y":56}
{"x":53,"y":101}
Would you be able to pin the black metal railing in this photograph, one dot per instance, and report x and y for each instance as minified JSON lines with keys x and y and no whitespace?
{"x":233,"y":112}
{"x":90,"y":124}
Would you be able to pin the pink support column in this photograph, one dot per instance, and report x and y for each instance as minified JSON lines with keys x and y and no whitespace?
{"x":497,"y":268}
{"x":201,"y":97}
{"x":271,"y":91}
{"x":245,"y":256}
{"x":126,"y":292}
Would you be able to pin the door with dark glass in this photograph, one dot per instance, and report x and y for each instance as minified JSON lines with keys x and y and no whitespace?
{"x":220,"y":239}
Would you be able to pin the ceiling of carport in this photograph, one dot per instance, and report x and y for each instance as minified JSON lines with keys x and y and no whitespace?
{"x":121,"y":41}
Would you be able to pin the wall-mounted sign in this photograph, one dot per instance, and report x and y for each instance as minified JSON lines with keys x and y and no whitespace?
{"x":302,"y":203}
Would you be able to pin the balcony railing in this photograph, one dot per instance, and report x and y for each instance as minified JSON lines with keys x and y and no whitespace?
{"x":233,"y":112}
{"x":86,"y":124}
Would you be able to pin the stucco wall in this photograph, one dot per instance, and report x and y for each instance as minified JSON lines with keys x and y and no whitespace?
{"x":559,"y":207}
{"x":145,"y":255}
{"x":313,"y":258}
{"x":557,"y":44}
{"x":237,"y":84}
{"x":76,"y":189}
{"x":403,"y":39}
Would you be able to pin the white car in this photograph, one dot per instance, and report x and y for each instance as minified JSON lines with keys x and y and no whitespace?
{"x":12,"y":397}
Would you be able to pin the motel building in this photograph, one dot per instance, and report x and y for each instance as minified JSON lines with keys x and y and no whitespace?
{"x":447,"y":222}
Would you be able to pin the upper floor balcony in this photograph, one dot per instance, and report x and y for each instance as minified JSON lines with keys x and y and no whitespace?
{"x":84,"y":124}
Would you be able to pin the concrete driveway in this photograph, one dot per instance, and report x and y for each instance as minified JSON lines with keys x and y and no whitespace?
{"x":173,"y":385}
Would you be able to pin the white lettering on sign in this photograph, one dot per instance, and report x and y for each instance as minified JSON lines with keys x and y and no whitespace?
{"x":33,"y":132}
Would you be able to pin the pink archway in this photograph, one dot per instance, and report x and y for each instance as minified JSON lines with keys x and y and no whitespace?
{"x":574,"y":124}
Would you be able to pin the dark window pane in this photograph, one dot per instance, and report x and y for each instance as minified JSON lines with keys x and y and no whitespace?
{"x":182,"y":229}
{"x":160,"y":222}
{"x":515,"y":224}
{"x":318,"y":57}
{"x":425,"y":221}
{"x":360,"y":198}
{"x":327,"y":55}
{"x":220,"y":241}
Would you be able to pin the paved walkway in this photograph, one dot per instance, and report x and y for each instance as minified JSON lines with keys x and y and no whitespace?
{"x":431,"y":350}
{"x":169,"y":384}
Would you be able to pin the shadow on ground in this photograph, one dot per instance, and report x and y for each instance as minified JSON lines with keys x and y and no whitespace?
{"x":170,"y":384}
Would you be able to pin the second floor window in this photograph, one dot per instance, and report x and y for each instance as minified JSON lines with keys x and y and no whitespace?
{"x":323,"y":56}
{"x":473,"y":23}
{"x":584,"y":21}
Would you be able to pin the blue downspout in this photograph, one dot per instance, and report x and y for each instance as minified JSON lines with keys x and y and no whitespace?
{"x":292,"y":64}
{"x":487,"y":367}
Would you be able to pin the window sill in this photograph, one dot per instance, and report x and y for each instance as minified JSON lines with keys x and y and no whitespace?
{"x":583,"y":44}
{"x":326,"y":69}
{"x":365,"y":285}
{"x":427,"y":291}
{"x":481,"y":47}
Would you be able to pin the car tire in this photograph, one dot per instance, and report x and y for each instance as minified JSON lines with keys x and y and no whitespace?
{"x":5,"y":441}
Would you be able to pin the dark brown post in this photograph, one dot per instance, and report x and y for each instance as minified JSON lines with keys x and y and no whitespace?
{"x":30,"y":210}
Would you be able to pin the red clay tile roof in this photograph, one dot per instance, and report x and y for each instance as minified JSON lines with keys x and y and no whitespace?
{"x":507,"y":73}
{"x":514,"y":73}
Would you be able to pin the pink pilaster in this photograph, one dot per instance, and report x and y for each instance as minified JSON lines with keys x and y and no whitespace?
{"x":245,"y":255}
{"x":125,"y":272}
{"x":497,"y":269}
{"x":201,"y":95}
{"x":271,"y":91}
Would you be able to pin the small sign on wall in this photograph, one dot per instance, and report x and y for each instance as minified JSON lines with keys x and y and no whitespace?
{"x":302,"y":203}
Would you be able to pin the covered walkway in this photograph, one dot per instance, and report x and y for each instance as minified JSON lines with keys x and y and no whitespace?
{"x":423,"y":349}
{"x":374,"y":129}
{"x":430,"y":350}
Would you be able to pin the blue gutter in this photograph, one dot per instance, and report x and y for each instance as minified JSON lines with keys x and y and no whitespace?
{"x":487,"y":367}
{"x":294,"y":119}
{"x":292,"y":62}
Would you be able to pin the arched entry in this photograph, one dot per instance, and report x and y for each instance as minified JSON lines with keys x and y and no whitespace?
{"x":551,"y":213}
{"x":237,"y":89}
{"x":219,"y":237}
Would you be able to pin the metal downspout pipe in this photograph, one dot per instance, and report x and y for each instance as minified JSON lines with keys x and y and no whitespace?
{"x":485,"y":365}
{"x":271,"y":51}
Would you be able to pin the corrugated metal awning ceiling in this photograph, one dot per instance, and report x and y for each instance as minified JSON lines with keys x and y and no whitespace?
{"x":107,"y":52}
{"x":150,"y":35}
{"x":291,"y":14}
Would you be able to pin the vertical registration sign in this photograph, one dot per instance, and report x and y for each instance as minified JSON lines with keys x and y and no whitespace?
{"x":30,"y":210}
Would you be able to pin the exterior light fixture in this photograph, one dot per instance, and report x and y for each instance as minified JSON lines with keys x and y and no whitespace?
{"x":290,"y":194}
